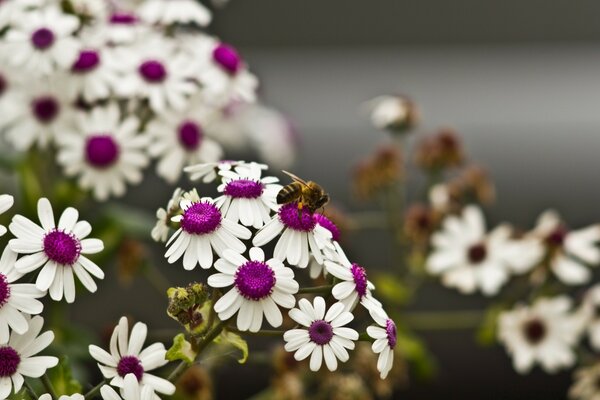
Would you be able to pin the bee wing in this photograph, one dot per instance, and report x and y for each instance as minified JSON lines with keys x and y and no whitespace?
{"x":295,"y":178}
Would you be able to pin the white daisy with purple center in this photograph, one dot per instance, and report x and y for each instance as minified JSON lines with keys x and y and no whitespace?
{"x":160,"y":232}
{"x":57,"y":249}
{"x":122,"y":27}
{"x":168,"y":12}
{"x":323,"y":334}
{"x":6,"y":202}
{"x":301,"y":236}
{"x":248,"y":197}
{"x":259,"y":287}
{"x":127,"y":356}
{"x":94,"y":74}
{"x":18,"y":357}
{"x":316,"y":268}
{"x":385,"y":336}
{"x":105,"y":151}
{"x":202,"y":230}
{"x":17,"y":300}
{"x":132,"y":390}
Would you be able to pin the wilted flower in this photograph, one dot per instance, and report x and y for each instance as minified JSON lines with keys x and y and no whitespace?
{"x":381,"y":170}
{"x":440,"y":151}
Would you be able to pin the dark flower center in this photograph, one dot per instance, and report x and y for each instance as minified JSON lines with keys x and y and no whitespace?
{"x":4,"y":290}
{"x":123,"y":18}
{"x":87,"y":61}
{"x":244,"y":188}
{"x":61,"y":247}
{"x":360,"y":279}
{"x":42,"y":38}
{"x":45,"y":108}
{"x":477,"y":253}
{"x":201,"y":218}
{"x":255,"y":280}
{"x":130,"y":365}
{"x":227,"y":57}
{"x":300,"y":220}
{"x":101,"y":151}
{"x":557,"y":237}
{"x":390,"y":330}
{"x":190,"y":135}
{"x":535,"y":330}
{"x":320,"y":332}
{"x":9,"y":361}
{"x":153,"y":71}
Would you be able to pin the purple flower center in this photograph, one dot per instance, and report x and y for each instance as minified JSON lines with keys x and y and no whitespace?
{"x":477,"y":253}
{"x":556,"y":238}
{"x":190,"y":135}
{"x":255,"y":280}
{"x":61,"y":247}
{"x":360,"y":279}
{"x":87,"y":61}
{"x":4,"y":290}
{"x":123,"y":18}
{"x":42,"y":38}
{"x":9,"y":361}
{"x":153,"y":71}
{"x":244,"y":188}
{"x":3,"y":84}
{"x":130,"y":365}
{"x":329,"y":225}
{"x":45,"y":108}
{"x":101,"y":151}
{"x":390,"y":330}
{"x":320,"y":332}
{"x":300,"y":220}
{"x":535,"y":330}
{"x":227,"y":57}
{"x":201,"y":218}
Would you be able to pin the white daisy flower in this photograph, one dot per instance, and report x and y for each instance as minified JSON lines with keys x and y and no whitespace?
{"x":324,"y":335}
{"x":40,"y":41}
{"x":569,"y":251}
{"x":585,"y":385}
{"x":58,"y":250}
{"x":469,"y":259}
{"x":301,"y":236}
{"x":180,"y":140}
{"x":122,"y":27}
{"x":385,"y":337}
{"x":6,"y":202}
{"x":105,"y":151}
{"x":94,"y":73}
{"x":93,"y":9}
{"x":17,"y":300}
{"x":316,"y":268}
{"x":168,"y":12}
{"x":127,"y":357}
{"x":544,"y":333}
{"x":259,"y":287}
{"x":247,"y":197}
{"x":160,"y":232}
{"x":590,"y":314}
{"x":355,"y":287}
{"x":160,"y":73}
{"x":132,"y":390}
{"x":75,"y":396}
{"x":203,"y":229}
{"x":391,"y":112}
{"x":207,"y":172}
{"x":18,"y":357}
{"x":36,"y":114}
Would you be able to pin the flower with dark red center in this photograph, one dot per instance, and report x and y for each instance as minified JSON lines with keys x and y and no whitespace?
{"x":9,"y":361}
{"x":255,"y":280}
{"x":4,"y":290}
{"x":360,"y":279}
{"x":45,"y":108}
{"x":320,"y":332}
{"x":293,"y":218}
{"x":61,"y":247}
{"x":190,"y":135}
{"x":130,"y":365}
{"x":123,"y":18}
{"x":227,"y":57}
{"x":88,"y":60}
{"x":101,"y":151}
{"x":556,"y":238}
{"x":477,"y":253}
{"x":42,"y":38}
{"x":201,"y":218}
{"x":153,"y":71}
{"x":390,"y":330}
{"x":3,"y":84}
{"x":244,"y":189}
{"x":328,"y":224}
{"x":535,"y":330}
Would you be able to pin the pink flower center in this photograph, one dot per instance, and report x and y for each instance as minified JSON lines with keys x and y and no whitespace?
{"x":360,"y":279}
{"x":101,"y":151}
{"x":61,"y":247}
{"x":4,"y":290}
{"x":320,"y":332}
{"x":88,"y":60}
{"x":534,"y":330}
{"x":123,"y":18}
{"x":9,"y":361}
{"x":329,"y":225}
{"x":42,"y":38}
{"x":201,"y":218}
{"x":477,"y":253}
{"x":299,"y":220}
{"x":255,"y":280}
{"x":227,"y":57}
{"x":390,"y":330}
{"x":45,"y":108}
{"x":556,"y":238}
{"x":190,"y":135}
{"x":153,"y":71}
{"x":130,"y":365}
{"x":244,"y":189}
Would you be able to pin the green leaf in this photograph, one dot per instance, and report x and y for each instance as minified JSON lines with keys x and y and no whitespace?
{"x":181,"y":350}
{"x":486,"y":333}
{"x":415,"y":351}
{"x":392,"y":289}
{"x":231,"y":339}
{"x":62,"y":378}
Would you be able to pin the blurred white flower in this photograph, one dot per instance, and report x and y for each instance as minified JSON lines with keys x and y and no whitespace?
{"x":543,"y":333}
{"x":391,"y":112}
{"x":169,"y":12}
{"x":94,"y":74}
{"x":160,"y":232}
{"x":6,"y":202}
{"x":589,"y":311}
{"x":585,"y":385}
{"x":132,"y":390}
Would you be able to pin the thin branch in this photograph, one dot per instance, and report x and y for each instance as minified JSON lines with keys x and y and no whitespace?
{"x":93,"y":391}
{"x":316,"y":289}
{"x":48,"y":385}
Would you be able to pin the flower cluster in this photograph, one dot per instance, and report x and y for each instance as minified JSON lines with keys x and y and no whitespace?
{"x":111,"y":85}
{"x":230,"y":236}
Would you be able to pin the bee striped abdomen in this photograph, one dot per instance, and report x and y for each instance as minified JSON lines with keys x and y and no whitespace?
{"x":289,"y":193}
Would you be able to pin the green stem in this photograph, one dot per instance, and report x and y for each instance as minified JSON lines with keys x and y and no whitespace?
{"x":316,"y":289}
{"x":92,"y":392}
{"x":48,"y":385}
{"x":440,"y":320}
{"x":30,"y":391}
{"x":263,"y":332}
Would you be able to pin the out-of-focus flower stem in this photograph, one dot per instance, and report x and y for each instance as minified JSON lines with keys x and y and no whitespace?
{"x":30,"y":390}
{"x":262,"y":332}
{"x":156,"y":278}
{"x":94,"y":390}
{"x":325,"y":289}
{"x":48,"y":385}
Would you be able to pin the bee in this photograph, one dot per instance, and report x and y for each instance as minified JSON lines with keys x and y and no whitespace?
{"x":308,"y":194}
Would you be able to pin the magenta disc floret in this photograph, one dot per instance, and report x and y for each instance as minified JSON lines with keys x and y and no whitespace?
{"x":201,"y":218}
{"x":255,"y":280}
{"x":62,"y":247}
{"x":300,"y":220}
{"x":4,"y":290}
{"x":329,"y":225}
{"x":320,"y":332}
{"x":360,"y":279}
{"x":227,"y":57}
{"x":42,"y":38}
{"x":101,"y":151}
{"x":244,"y":189}
{"x":9,"y":361}
{"x":130,"y":365}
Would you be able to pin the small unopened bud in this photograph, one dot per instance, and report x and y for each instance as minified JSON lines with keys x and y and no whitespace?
{"x":189,"y":306}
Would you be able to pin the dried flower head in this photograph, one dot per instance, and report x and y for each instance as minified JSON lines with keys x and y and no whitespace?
{"x":189,"y":305}
{"x":381,"y":170}
{"x":397,"y":114}
{"x":440,"y":151}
